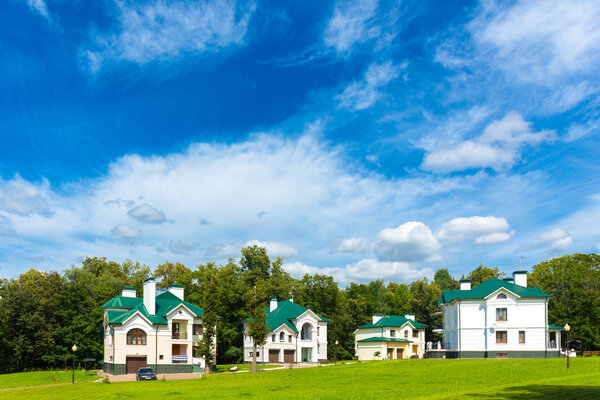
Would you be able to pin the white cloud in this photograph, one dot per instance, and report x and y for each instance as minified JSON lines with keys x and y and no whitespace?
{"x":126,"y":232}
{"x":498,"y":147}
{"x":556,"y":239}
{"x":20,"y":197}
{"x":147,"y":214}
{"x":355,"y":245}
{"x":220,"y":251}
{"x":349,"y":24}
{"x":411,"y":241}
{"x":163,"y":30}
{"x":364,"y":94}
{"x":275,"y":249}
{"x":486,"y":230}
{"x":38,"y":6}
{"x":182,"y":246}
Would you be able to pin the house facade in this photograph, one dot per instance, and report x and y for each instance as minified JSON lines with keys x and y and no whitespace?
{"x":159,"y":331}
{"x":296,"y":334}
{"x":498,"y":319}
{"x":390,"y":337}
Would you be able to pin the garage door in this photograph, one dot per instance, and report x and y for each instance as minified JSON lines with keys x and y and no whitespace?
{"x":288,"y":356}
{"x":273,"y":356}
{"x":135,"y":363}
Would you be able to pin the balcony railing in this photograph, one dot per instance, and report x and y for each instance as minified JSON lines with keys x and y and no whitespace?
{"x":179,"y":358}
{"x":179,"y":335}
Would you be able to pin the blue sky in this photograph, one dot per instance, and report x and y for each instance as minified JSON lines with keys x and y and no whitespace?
{"x":363,"y":139}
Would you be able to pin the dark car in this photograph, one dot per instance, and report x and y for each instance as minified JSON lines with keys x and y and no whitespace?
{"x":145,"y":374}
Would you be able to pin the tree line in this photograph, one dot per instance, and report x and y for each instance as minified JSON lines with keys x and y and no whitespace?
{"x":42,"y":314}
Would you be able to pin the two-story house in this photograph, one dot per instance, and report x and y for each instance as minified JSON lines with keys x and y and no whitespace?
{"x":297,"y":334}
{"x":497,"y":319}
{"x":158,"y":331}
{"x":390,"y":337}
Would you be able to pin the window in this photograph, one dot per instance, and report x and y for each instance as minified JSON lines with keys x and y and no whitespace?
{"x":501,"y":355}
{"x":501,"y":296}
{"x":521,"y":337}
{"x":501,"y":337}
{"x":415,"y":333}
{"x":136,"y":337}
{"x":406,"y":333}
{"x":501,"y":314}
{"x":282,"y":337}
{"x":198,"y":329}
{"x":257,"y":354}
{"x":290,"y":338}
{"x":318,"y":329}
{"x":305,"y":333}
{"x":161,"y":357}
{"x":392,"y":333}
{"x":552,"y":344}
{"x":273,"y":337}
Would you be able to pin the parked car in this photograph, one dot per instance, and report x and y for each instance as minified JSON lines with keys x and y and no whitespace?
{"x":145,"y":374}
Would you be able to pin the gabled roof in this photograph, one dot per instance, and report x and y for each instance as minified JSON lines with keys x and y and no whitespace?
{"x":484,"y":289}
{"x":165,"y":303}
{"x":384,"y":339}
{"x":393,"y":321}
{"x":285,"y":312}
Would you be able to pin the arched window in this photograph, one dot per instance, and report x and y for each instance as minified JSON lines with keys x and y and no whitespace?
{"x":281,"y":336}
{"x":305,"y":334}
{"x":501,"y":296}
{"x":136,"y":336}
{"x":406,"y":334}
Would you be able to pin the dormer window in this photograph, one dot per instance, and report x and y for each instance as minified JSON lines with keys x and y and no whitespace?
{"x":392,"y":333}
{"x":501,"y":296}
{"x":281,"y":336}
{"x":406,"y":334}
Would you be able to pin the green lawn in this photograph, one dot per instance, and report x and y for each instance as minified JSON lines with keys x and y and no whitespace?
{"x":37,"y":378}
{"x":245,"y":367}
{"x":429,"y":379}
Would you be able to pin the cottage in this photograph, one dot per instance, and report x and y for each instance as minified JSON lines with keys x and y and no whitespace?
{"x":297,"y":334}
{"x":390,"y":337}
{"x":498,"y":318}
{"x":158,"y":331}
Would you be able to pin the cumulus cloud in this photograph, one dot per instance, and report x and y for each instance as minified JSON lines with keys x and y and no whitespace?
{"x":164,"y":31}
{"x":411,"y":241}
{"x":485,"y":230}
{"x":126,"y":232}
{"x":20,"y":197}
{"x":275,"y":249}
{"x":182,"y":246}
{"x":556,"y":239}
{"x":498,"y":147}
{"x":147,"y":214}
{"x":355,"y":245}
{"x":350,"y":24}
{"x":365,"y":93}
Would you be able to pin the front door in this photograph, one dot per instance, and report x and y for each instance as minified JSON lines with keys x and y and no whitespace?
{"x":306,"y":354}
{"x":399,"y":353}
{"x":135,"y":363}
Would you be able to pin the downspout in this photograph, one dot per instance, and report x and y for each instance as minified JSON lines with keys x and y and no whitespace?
{"x":113,"y":347}
{"x":458,"y":331}
{"x":546,"y":331}
{"x":156,"y":349}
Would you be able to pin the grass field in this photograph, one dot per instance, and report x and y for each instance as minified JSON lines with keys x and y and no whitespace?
{"x":428,"y":379}
{"x":38,"y":378}
{"x":245,"y":367}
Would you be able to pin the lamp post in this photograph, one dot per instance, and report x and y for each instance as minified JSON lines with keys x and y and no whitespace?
{"x":74,"y":348}
{"x":335,"y":353}
{"x":567,"y":328}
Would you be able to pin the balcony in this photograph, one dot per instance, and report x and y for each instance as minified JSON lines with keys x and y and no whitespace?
{"x":179,"y":358}
{"x":179,"y":335}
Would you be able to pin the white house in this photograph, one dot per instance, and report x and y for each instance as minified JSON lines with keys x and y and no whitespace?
{"x":158,"y":331}
{"x":297,"y":334}
{"x":390,"y":337}
{"x":497,"y":319}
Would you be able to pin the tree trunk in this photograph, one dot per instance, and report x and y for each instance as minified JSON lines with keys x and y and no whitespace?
{"x":253,"y":357}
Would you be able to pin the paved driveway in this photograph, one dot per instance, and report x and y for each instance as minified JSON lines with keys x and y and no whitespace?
{"x":169,"y":377}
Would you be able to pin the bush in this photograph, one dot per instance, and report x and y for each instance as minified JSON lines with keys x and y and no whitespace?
{"x":234,"y":355}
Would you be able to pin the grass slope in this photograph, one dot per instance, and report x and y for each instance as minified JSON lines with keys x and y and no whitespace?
{"x":431,"y":379}
{"x":37,"y":378}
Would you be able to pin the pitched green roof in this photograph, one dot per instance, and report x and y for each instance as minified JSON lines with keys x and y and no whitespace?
{"x":165,"y":303}
{"x":384,"y":339}
{"x":488,"y":287}
{"x":394,"y":321}
{"x":555,"y":327}
{"x":285,"y":312}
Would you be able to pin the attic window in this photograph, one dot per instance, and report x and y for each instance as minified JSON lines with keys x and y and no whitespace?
{"x":501,"y":296}
{"x":180,"y":312}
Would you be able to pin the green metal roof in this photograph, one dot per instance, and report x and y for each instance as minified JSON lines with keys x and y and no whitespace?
{"x":384,"y":339}
{"x":488,"y":287}
{"x":394,"y":321}
{"x":555,"y":327}
{"x":128,"y":288}
{"x":165,"y":303}
{"x":285,"y":312}
{"x":175,"y":285}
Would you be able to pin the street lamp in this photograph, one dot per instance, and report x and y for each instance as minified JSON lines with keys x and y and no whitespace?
{"x":567,"y":328}
{"x":74,"y":348}
{"x":335,"y":352}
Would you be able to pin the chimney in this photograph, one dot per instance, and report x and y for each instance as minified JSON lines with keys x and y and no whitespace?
{"x":377,"y":317}
{"x":128,"y":291}
{"x":410,"y":316}
{"x":150,"y":295}
{"x":273,"y":304}
{"x":176,"y":290}
{"x":520,"y":278}
{"x":465,"y":284}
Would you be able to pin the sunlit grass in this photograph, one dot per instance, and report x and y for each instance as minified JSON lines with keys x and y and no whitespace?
{"x":38,"y":378}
